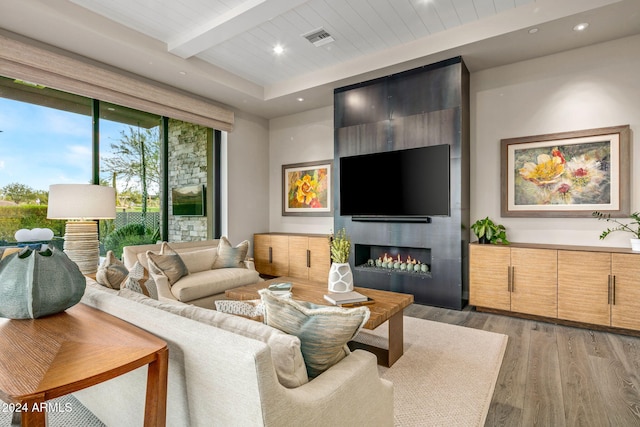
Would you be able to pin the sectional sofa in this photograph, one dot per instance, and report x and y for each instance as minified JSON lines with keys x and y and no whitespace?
{"x":227,"y":370}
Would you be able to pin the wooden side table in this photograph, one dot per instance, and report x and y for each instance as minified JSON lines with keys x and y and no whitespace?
{"x":45,"y":358}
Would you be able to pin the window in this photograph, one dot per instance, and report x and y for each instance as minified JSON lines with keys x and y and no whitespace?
{"x":46,"y":137}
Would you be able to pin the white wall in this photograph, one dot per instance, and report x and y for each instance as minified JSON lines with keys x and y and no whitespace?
{"x":298,"y":138}
{"x":597,"y":86}
{"x":245,"y":182}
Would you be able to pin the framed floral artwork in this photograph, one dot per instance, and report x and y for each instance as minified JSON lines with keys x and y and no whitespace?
{"x":569,"y":174}
{"x":306,"y":189}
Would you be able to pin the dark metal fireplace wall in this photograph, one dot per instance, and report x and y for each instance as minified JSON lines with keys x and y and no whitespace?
{"x":428,"y":105}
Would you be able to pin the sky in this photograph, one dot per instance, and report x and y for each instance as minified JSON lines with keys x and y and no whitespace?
{"x":40,"y":146}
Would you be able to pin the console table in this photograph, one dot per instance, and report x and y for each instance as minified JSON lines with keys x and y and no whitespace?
{"x":45,"y":358}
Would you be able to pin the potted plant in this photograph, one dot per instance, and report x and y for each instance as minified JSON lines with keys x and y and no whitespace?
{"x":340,"y":247}
{"x":340,"y":275}
{"x":489,"y":232}
{"x":633,"y":227}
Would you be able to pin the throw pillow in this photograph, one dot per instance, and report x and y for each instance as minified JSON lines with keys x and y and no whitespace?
{"x":111,"y":272}
{"x":138,"y":281}
{"x":199,"y":260}
{"x":251,"y":309}
{"x":323,"y":331}
{"x":167,"y":262}
{"x":228,"y":256}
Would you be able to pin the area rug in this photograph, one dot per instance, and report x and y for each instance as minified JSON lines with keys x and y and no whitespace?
{"x":446,"y":375}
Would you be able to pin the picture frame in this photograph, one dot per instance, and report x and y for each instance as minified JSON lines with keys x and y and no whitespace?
{"x":567,"y":174}
{"x":307,"y":189}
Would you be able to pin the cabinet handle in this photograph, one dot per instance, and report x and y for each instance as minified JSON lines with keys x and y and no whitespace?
{"x":508,"y":279}
{"x":613,"y":290}
{"x":513,"y":279}
{"x":609,"y":289}
{"x":270,"y":254}
{"x":308,"y":258}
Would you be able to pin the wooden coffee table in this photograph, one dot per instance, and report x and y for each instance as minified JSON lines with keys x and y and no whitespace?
{"x":45,"y":358}
{"x":388,"y":306}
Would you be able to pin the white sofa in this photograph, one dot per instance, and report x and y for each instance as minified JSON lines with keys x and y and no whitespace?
{"x":222,"y":378}
{"x":199,"y":287}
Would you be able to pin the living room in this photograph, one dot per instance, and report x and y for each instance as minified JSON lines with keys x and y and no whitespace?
{"x":576,"y":88}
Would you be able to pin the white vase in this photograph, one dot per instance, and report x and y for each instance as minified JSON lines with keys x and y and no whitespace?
{"x":635,"y":245}
{"x":340,"y":277}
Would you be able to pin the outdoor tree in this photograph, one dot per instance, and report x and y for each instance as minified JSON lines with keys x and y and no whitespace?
{"x":17,"y":192}
{"x":135,"y":161}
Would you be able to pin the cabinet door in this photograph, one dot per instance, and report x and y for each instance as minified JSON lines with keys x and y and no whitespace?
{"x":583,"y":286}
{"x":309,"y":258}
{"x":534,"y":281}
{"x":488,"y":276}
{"x":320,"y":259}
{"x":298,"y":253}
{"x":279,"y":255}
{"x":625,"y":306}
{"x":261,"y":245}
{"x":271,"y":254}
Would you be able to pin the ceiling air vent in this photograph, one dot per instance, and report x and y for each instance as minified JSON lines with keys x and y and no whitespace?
{"x":318,"y":37}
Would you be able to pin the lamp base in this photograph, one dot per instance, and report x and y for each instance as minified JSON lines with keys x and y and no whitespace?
{"x":82,"y":246}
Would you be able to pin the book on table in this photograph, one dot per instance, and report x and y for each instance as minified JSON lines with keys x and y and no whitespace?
{"x":345,"y":297}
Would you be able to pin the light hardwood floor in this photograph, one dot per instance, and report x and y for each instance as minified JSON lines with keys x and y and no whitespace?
{"x":554,"y":375}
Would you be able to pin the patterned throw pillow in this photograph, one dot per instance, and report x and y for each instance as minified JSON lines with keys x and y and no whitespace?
{"x":229,"y":256}
{"x":111,"y":272}
{"x":138,"y":281}
{"x":323,"y":331}
{"x":251,"y":309}
{"x":167,"y":262}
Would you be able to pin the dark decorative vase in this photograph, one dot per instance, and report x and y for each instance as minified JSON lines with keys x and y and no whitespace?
{"x":484,"y":240}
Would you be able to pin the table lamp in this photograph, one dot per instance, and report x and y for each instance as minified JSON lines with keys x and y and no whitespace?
{"x":81,"y":205}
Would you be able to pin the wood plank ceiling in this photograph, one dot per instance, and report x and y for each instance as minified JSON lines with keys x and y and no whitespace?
{"x":239,"y":35}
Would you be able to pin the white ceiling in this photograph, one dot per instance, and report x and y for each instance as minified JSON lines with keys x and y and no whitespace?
{"x":223,"y":49}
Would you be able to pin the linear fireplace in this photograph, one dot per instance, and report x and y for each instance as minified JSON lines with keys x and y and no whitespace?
{"x":393,"y":260}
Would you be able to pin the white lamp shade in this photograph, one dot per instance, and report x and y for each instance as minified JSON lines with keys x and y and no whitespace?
{"x":81,"y":201}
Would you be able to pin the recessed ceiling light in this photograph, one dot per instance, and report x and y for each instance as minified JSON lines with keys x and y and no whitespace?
{"x":182,"y":73}
{"x":581,"y":27}
{"x":300,"y":99}
{"x":278,"y":49}
{"x":533,"y":31}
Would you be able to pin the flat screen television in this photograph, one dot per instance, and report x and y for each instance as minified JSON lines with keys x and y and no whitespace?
{"x":188,"y":200}
{"x":410,"y":183}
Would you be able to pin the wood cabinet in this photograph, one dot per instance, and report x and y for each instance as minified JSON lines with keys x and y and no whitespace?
{"x":599,"y":288}
{"x":304,"y":256}
{"x":588,"y":285}
{"x":515,"y":279}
